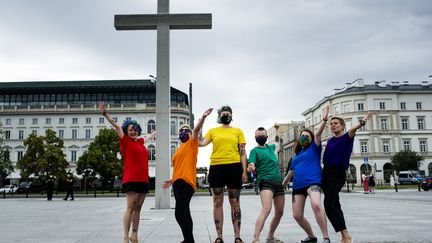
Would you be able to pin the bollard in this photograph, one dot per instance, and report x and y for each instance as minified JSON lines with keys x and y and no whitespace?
{"x":4,"y":194}
{"x":95,"y":193}
{"x":27,"y":192}
{"x":396,"y":187}
{"x":352,"y":186}
{"x":419,"y":189}
{"x":347,"y":187}
{"x":118,"y":193}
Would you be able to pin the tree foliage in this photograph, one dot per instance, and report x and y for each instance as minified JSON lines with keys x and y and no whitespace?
{"x":43,"y":157}
{"x":406,"y":160}
{"x":5,"y":163}
{"x":101,"y":159}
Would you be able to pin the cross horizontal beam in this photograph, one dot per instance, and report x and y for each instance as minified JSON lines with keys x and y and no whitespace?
{"x":151,"y":21}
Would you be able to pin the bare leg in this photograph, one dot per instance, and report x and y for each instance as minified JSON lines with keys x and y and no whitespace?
{"x":234,"y":200}
{"x":298,"y":203}
{"x":131,"y":201}
{"x":136,"y":215}
{"x":218,"y":197}
{"x":346,"y":237}
{"x":266,"y":202}
{"x":319,"y":212}
{"x":279,"y":204}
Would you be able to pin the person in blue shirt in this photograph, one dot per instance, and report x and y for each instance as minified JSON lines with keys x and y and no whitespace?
{"x":336,"y":161}
{"x":306,"y":169}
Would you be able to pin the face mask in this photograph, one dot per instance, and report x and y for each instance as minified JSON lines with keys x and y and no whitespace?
{"x":261,"y":140}
{"x":184,"y":136}
{"x":225,"y":120}
{"x":304,"y":141}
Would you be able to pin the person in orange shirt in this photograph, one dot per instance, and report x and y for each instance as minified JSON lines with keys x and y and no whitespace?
{"x":183,"y":179}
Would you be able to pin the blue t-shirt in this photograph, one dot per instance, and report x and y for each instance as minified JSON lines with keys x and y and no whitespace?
{"x":338,"y":151}
{"x":307,"y":167}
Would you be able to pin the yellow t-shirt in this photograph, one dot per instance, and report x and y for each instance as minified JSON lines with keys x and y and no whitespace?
{"x":184,"y":161}
{"x":225,"y":145}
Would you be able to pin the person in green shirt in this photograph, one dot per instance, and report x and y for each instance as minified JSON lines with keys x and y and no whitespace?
{"x":263,"y":159}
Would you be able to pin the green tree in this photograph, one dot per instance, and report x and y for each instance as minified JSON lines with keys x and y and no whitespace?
{"x":406,"y":160}
{"x":44,"y":156}
{"x":6,"y":166}
{"x":101,"y":159}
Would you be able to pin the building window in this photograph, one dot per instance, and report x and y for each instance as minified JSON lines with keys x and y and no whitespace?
{"x":19,"y":155}
{"x":101,"y":120}
{"x":61,"y":133}
{"x":173,"y":150}
{"x":404,"y":122}
{"x":384,"y":124}
{"x":61,"y":120}
{"x":386,"y":146}
{"x":74,"y":120}
{"x":382,"y":105}
{"x":360,"y":106}
{"x":407,"y":145}
{"x":88,"y":133}
{"x":35,"y":121}
{"x":74,"y":133}
{"x":73,"y":156}
{"x":173,"y":128}
{"x":34,"y":132}
{"x":21,"y":121}
{"x":21,"y":134}
{"x":8,"y":121}
{"x":420,"y":123}
{"x":48,"y":121}
{"x":151,"y":126}
{"x":423,"y":147}
{"x":363,"y":146}
{"x":88,"y":120}
{"x":419,"y":105}
{"x":403,"y":106}
{"x":151,"y":152}
{"x":7,"y":134}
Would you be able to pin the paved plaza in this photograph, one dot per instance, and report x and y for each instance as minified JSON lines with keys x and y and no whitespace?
{"x":387,"y":216}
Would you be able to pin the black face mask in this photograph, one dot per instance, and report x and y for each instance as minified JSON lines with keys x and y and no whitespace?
{"x":225,"y":120}
{"x":261,"y":140}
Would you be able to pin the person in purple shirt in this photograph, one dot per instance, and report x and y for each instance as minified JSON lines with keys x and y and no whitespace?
{"x":336,"y":161}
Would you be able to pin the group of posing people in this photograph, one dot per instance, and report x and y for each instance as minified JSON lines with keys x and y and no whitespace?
{"x":229,"y":167}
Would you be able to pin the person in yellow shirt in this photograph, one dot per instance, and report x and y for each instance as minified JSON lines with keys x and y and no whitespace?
{"x":183,"y":179}
{"x":227,"y":168}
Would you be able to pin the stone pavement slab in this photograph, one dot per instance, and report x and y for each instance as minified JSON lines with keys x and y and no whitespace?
{"x":386,"y":216}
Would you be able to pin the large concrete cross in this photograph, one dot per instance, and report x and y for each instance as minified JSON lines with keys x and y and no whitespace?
{"x":163,"y":22}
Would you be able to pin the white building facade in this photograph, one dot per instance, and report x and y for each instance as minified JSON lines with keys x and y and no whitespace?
{"x":71,"y":110}
{"x":401,"y":120}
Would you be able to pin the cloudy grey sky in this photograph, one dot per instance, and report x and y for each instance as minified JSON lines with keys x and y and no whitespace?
{"x":269,"y":60}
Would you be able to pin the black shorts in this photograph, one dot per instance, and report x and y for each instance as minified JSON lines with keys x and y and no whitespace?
{"x":275,"y":186}
{"x":229,"y":175}
{"x":303,"y":191}
{"x":134,"y":186}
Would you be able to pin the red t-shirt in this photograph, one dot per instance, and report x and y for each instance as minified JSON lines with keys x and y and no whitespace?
{"x":135,"y":160}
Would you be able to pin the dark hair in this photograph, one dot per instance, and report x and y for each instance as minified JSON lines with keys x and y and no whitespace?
{"x":298,"y":147}
{"x":224,"y":108}
{"x":261,"y":129}
{"x":341,"y":121}
{"x":134,"y":124}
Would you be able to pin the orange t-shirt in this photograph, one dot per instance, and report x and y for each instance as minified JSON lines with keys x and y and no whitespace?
{"x":184,"y":162}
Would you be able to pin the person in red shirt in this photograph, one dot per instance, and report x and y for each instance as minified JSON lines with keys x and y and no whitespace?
{"x":135,"y":171}
{"x":183,"y":179}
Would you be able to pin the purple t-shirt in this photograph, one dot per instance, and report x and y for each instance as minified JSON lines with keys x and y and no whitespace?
{"x":338,"y":151}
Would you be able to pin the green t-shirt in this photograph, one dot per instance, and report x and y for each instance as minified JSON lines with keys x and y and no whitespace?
{"x":266,"y":163}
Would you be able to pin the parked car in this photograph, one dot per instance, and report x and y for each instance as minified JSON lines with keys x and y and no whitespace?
{"x":427,"y":184}
{"x":410,"y":177}
{"x":8,"y":189}
{"x":25,"y":187}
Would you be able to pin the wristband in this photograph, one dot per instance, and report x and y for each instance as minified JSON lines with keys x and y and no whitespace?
{"x":362,"y":122}
{"x":104,"y":112}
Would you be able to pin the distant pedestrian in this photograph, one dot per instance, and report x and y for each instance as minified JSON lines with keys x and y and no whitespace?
{"x":70,"y":186}
{"x":263,"y":159}
{"x":50,"y":187}
{"x":183,"y":179}
{"x":392,"y":181}
{"x":336,"y":161}
{"x":371,"y":181}
{"x":365,"y":182}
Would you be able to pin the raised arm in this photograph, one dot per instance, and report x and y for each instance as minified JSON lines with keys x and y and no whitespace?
{"x":150,"y":136}
{"x":200,"y":123}
{"x":362,"y":122}
{"x":322,"y":126}
{"x":116,"y":126}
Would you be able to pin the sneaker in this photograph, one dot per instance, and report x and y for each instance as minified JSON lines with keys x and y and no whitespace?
{"x":274,"y":240}
{"x":309,"y":240}
{"x":326,"y":240}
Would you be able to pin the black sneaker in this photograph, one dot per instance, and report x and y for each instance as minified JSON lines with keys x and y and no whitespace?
{"x":309,"y":240}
